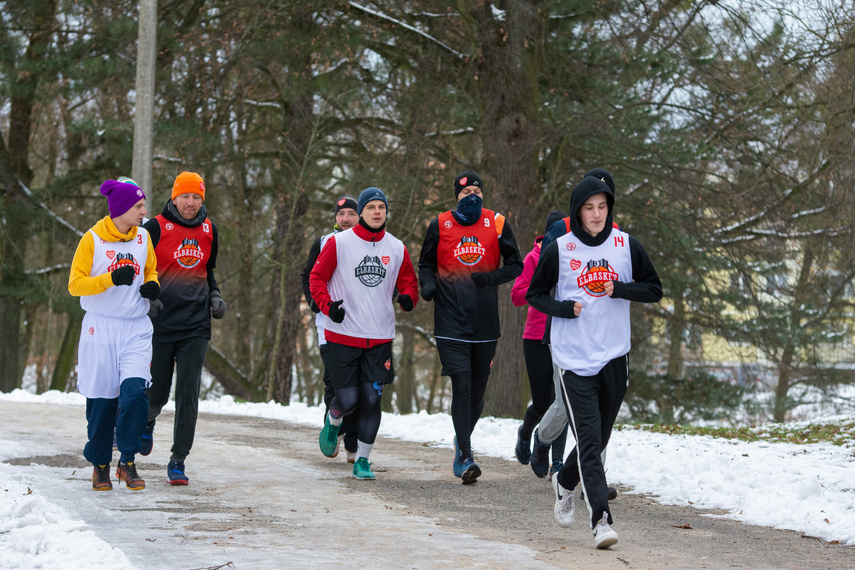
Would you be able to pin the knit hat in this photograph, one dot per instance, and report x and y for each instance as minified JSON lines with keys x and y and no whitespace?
{"x":346,"y":202}
{"x":465,"y":179}
{"x":603,"y":175}
{"x":121,"y":195}
{"x":368,"y":195}
{"x":188,"y":182}
{"x":554,"y":217}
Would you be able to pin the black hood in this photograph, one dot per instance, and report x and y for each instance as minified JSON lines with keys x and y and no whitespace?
{"x":590,"y":186}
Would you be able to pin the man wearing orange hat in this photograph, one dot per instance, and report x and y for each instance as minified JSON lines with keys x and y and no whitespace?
{"x":185,"y":242}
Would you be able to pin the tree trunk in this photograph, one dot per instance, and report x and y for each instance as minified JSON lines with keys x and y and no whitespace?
{"x":405,"y":372}
{"x":233,"y":381}
{"x":67,"y":352}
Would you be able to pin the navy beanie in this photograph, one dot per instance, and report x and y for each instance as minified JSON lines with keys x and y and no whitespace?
{"x":368,"y":195}
{"x":554,"y":217}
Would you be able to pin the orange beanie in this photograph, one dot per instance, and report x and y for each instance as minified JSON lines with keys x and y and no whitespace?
{"x":188,"y":182}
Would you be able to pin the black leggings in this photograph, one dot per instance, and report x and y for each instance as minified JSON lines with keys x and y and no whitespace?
{"x":367,"y":397}
{"x":538,"y":363}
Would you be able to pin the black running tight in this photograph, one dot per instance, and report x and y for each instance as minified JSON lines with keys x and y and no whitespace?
{"x":367,"y":397}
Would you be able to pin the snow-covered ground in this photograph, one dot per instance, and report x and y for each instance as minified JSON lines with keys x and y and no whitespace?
{"x":806,"y":488}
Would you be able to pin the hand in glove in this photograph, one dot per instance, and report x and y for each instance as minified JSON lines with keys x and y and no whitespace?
{"x":150,"y":290}
{"x":428,"y":291}
{"x":406,"y":302}
{"x":218,"y":306}
{"x":154,"y":307}
{"x":336,"y":311}
{"x":483,"y":279}
{"x":314,"y":306}
{"x":123,"y":275}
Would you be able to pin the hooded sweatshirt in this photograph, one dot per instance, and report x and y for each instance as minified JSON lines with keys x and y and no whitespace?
{"x":577,"y":265}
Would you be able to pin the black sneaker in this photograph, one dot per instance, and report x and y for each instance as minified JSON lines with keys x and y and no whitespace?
{"x":539,"y":458}
{"x":147,"y":438}
{"x":101,"y":478}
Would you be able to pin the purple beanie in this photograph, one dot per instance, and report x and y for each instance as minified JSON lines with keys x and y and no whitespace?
{"x":121,"y":195}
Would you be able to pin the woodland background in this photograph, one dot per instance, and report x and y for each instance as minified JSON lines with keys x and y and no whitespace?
{"x":729,"y":128}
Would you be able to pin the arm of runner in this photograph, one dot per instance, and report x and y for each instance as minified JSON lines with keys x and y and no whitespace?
{"x":321,"y":274}
{"x":80,"y":283}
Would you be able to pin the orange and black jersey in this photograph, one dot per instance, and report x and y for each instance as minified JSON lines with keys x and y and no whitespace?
{"x":451,"y":253}
{"x":186,"y":256}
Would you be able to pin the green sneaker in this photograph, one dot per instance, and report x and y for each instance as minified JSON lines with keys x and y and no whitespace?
{"x":362,"y":470}
{"x":328,"y":439}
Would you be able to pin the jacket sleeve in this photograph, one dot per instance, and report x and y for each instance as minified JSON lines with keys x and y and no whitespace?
{"x":512,"y":264}
{"x":522,"y":282}
{"x":544,"y":279}
{"x":553,"y":232}
{"x":150,"y":271}
{"x":314,"y":251}
{"x":407,"y":284}
{"x":321,"y":274}
{"x":80,"y":281}
{"x":212,"y":259}
{"x":427,"y":257}
{"x":645,"y":286}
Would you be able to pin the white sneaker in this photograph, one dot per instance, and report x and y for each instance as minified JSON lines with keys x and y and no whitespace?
{"x":604,"y":536}
{"x":565,"y":505}
{"x":351,"y":456}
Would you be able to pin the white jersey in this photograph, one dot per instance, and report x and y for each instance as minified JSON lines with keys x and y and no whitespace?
{"x":120,"y":301}
{"x":364,"y":278}
{"x":583,"y":345}
{"x":319,"y":318}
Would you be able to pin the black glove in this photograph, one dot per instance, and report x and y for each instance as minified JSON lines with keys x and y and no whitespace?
{"x":483,"y":279}
{"x":428,"y":291}
{"x":567,"y":310}
{"x":406,"y":302}
{"x":218,"y":306}
{"x":123,"y":275}
{"x":314,"y":306}
{"x":154,"y":307}
{"x":336,"y":311}
{"x":150,"y":290}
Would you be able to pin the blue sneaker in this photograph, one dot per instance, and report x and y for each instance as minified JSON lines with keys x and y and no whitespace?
{"x":539,"y":458}
{"x":147,"y":438}
{"x":328,"y":438}
{"x":523,"y":448}
{"x":457,"y":466}
{"x":175,"y":473}
{"x":471,"y":471}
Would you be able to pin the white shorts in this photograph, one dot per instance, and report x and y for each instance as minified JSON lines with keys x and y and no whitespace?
{"x":111,"y":350}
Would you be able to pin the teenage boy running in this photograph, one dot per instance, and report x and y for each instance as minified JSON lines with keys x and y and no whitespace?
{"x":596,"y":270}
{"x":354,"y":282}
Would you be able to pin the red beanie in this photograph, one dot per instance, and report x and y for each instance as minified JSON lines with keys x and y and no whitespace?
{"x":188,"y":182}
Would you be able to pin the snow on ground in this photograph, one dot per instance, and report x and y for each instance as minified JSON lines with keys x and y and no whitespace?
{"x":806,"y":488}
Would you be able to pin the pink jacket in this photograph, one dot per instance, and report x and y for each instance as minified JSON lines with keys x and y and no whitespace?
{"x":535,"y":321}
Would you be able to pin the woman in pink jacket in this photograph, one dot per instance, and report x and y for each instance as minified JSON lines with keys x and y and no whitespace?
{"x":538,"y":361}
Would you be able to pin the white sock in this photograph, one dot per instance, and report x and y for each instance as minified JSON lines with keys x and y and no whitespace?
{"x":363,"y":449}
{"x":334,"y":421}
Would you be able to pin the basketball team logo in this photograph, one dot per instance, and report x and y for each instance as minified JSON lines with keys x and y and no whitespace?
{"x":188,"y":254}
{"x":469,"y":251}
{"x":169,"y":225}
{"x":388,"y":364}
{"x":123,"y":259}
{"x":594,"y":277}
{"x":370,"y":271}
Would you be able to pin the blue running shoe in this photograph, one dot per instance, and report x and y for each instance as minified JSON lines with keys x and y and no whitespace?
{"x":362,"y":469}
{"x":555,"y":468}
{"x":457,"y":466}
{"x":175,"y":473}
{"x":539,"y":458}
{"x":328,"y":438}
{"x":147,"y":438}
{"x":471,"y":471}
{"x":523,"y":448}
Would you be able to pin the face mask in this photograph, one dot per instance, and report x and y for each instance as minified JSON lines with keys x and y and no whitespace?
{"x":469,"y":207}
